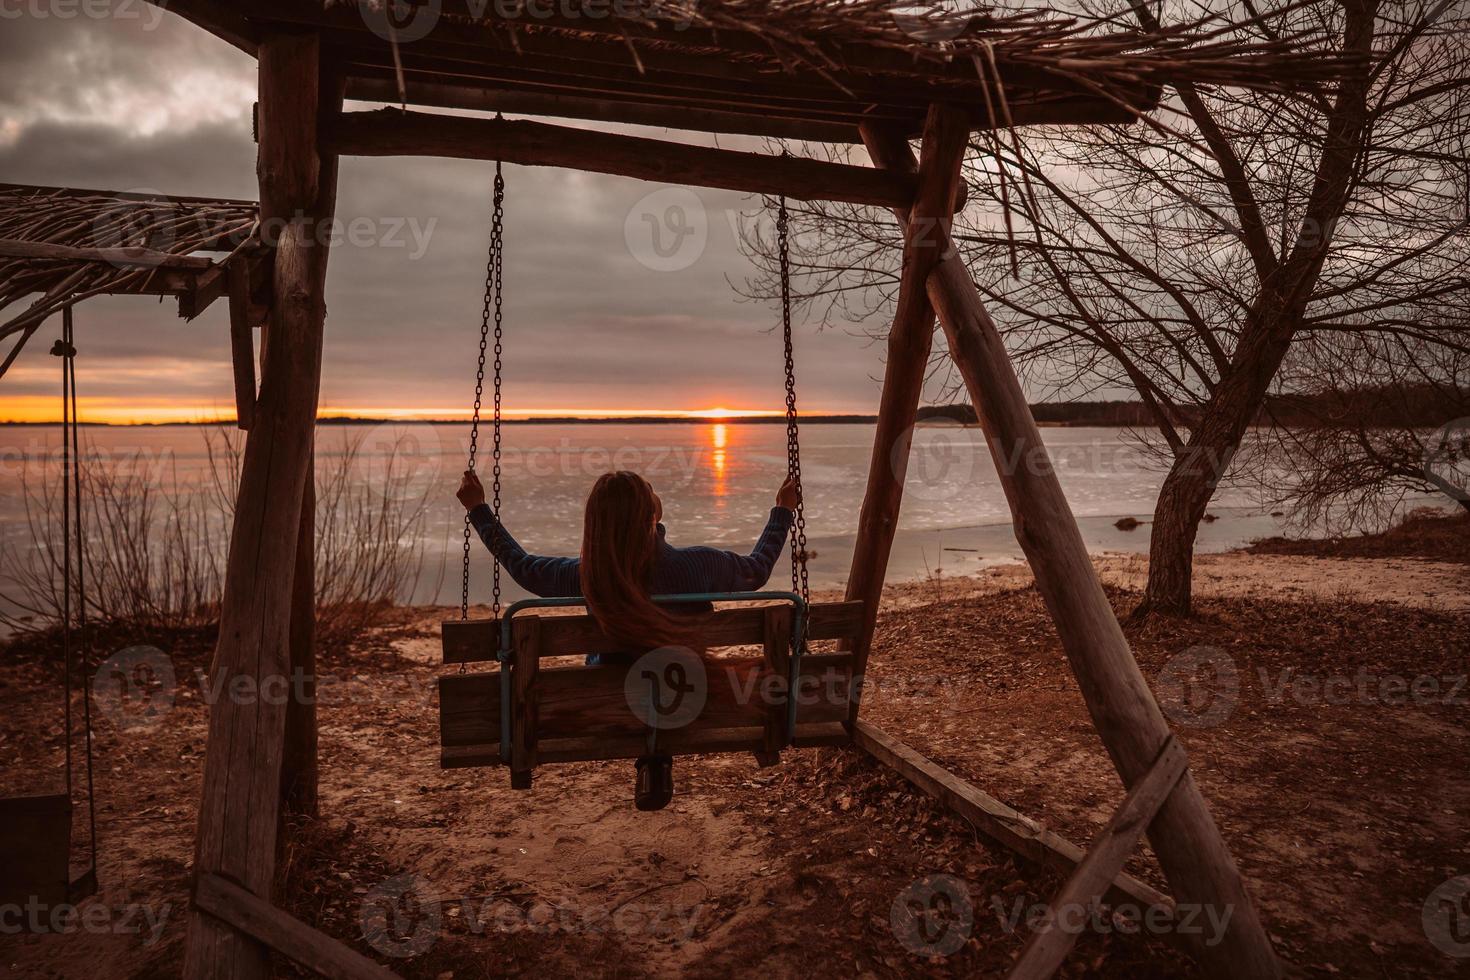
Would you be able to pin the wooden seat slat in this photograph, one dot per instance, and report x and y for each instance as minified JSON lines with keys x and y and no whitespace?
{"x":590,"y":701}
{"x":682,"y":742}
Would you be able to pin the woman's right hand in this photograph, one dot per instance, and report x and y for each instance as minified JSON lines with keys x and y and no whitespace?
{"x":470,"y":492}
{"x":788,"y":496}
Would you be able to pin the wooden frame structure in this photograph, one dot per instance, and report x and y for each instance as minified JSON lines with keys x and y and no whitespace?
{"x":837,"y":71}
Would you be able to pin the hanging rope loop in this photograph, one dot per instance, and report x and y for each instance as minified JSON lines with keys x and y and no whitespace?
{"x":491,"y":312}
{"x":73,"y":572}
{"x":799,"y":580}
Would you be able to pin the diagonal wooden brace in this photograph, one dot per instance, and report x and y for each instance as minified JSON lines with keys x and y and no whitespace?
{"x":1050,"y":944}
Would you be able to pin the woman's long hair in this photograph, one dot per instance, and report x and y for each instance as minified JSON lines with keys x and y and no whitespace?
{"x":619,"y":545}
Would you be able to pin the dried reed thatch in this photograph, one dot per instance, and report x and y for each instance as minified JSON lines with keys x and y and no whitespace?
{"x":847,"y":40}
{"x":67,"y":245}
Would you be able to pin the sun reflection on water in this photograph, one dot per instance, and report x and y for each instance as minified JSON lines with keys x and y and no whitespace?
{"x":719,"y":437}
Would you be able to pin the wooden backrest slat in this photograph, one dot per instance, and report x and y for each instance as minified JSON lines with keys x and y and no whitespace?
{"x":475,"y":640}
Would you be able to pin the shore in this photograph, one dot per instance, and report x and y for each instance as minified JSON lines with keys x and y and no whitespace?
{"x":1344,"y":812}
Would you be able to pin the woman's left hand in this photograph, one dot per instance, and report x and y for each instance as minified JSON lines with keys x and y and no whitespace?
{"x":788,"y":496}
{"x":470,"y":492}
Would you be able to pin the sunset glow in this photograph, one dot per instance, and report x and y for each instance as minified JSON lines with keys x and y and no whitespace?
{"x":44,"y":408}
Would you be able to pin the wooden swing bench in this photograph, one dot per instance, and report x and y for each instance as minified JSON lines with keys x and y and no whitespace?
{"x":523,"y":714}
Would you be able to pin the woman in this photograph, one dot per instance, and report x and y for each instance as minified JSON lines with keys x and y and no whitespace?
{"x":626,"y":559}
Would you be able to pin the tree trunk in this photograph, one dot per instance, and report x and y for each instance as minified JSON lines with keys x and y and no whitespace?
{"x":1198,"y":468}
{"x":1265,"y":338}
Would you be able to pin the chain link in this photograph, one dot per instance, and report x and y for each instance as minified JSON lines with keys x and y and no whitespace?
{"x":491,"y":309}
{"x":799,"y":581}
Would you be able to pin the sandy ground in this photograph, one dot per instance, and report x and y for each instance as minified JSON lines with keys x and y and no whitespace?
{"x":1345,"y":816}
{"x":1402,"y":581}
{"x":1443,"y":586}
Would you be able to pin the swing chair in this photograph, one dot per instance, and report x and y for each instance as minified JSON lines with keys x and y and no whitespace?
{"x":669,"y":701}
{"x":35,"y":830}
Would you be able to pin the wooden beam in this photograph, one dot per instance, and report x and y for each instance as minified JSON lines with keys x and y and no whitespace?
{"x":125,"y":257}
{"x":255,"y":917}
{"x":240,"y":810}
{"x":391,"y":132}
{"x":1054,"y":939}
{"x":242,"y":343}
{"x":909,"y":341}
{"x":1003,"y":825}
{"x":378,"y":83}
{"x":1191,"y":850}
{"x":383,"y":87}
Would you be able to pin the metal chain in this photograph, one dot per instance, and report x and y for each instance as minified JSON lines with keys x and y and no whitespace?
{"x":799,"y":582}
{"x":494,"y":278}
{"x":497,"y":250}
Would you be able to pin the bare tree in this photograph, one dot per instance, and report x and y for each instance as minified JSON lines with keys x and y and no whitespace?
{"x":1183,"y":256}
{"x":1371,"y":420}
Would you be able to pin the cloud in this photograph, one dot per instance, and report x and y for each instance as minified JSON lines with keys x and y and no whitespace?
{"x":107,"y":103}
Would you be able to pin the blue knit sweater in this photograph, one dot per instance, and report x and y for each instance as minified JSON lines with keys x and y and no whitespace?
{"x":675,"y":570}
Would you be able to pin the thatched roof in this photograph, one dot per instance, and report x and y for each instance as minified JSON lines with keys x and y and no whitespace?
{"x":63,"y":245}
{"x":811,"y":68}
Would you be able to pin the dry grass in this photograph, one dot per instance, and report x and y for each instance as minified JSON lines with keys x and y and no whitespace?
{"x":1426,"y":533}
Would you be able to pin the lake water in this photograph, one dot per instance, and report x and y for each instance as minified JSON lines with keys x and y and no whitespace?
{"x":717,"y":481}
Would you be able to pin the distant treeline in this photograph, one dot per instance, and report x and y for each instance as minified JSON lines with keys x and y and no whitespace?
{"x":1055,"y":413}
{"x":1420,"y":406}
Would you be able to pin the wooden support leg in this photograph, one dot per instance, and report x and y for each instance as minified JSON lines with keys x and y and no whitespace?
{"x":909,"y":342}
{"x":1195,"y":859}
{"x":299,"y":766}
{"x":240,"y":810}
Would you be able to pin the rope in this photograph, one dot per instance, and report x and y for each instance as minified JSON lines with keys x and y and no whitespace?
{"x":491,"y":310}
{"x":799,"y":581}
{"x":74,"y":544}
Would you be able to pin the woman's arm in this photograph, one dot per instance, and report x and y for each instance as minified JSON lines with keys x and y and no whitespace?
{"x":537,"y":574}
{"x":729,"y":571}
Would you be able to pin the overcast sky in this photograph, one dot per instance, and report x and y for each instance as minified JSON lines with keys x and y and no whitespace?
{"x":598,"y":318}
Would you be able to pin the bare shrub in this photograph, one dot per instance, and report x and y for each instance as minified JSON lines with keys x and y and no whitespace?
{"x":156,"y":540}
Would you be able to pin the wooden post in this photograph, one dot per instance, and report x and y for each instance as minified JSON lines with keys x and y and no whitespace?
{"x":299,"y":764}
{"x":909,"y":342}
{"x":299,"y":770}
{"x":240,"y":810}
{"x":1194,"y":856}
{"x":242,"y":341}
